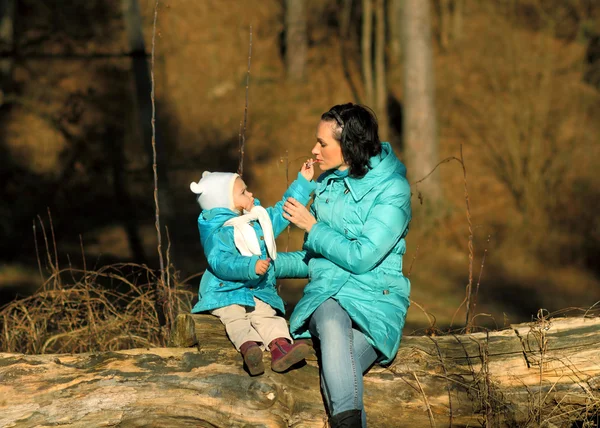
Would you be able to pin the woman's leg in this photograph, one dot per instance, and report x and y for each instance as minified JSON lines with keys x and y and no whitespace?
{"x":345,"y":354}
{"x":365,"y":355}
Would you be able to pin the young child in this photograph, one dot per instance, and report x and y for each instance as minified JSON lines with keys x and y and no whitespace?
{"x":238,"y":238}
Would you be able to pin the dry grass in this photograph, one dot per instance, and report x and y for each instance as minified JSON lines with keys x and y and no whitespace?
{"x":114,"y":307}
{"x":75,"y":310}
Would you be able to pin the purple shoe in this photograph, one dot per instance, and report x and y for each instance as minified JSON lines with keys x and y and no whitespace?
{"x":253,"y":358}
{"x":284,"y":354}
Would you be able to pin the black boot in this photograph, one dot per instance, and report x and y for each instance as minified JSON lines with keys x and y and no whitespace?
{"x":347,"y":419}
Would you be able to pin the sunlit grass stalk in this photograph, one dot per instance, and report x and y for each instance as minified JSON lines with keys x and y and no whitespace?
{"x":243,"y":129}
{"x":161,"y":284}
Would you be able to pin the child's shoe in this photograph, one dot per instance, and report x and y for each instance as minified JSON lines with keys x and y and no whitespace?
{"x":284,"y":354}
{"x":253,"y":358}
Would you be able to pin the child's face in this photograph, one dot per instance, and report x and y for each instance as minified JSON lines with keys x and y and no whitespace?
{"x":242,"y":198}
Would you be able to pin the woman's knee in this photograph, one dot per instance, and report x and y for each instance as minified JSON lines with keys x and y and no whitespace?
{"x":330,"y":319}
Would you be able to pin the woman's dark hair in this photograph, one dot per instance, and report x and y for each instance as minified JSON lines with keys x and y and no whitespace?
{"x":357,"y":133}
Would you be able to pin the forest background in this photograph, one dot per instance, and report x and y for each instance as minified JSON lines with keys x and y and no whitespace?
{"x":514,"y":96}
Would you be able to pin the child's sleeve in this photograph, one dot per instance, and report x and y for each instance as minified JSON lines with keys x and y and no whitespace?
{"x":226,"y":262}
{"x":300,"y":189}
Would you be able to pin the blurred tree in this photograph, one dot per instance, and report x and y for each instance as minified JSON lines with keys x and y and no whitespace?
{"x":592,"y":59}
{"x":374,"y":73}
{"x":394,"y":14}
{"x":380,"y":74}
{"x":366,"y":52}
{"x":451,"y":15}
{"x":420,"y":122}
{"x":344,"y":36}
{"x":295,"y":39}
{"x":7,"y":17}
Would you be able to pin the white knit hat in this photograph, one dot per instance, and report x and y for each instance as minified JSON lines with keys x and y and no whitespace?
{"x":215,"y":190}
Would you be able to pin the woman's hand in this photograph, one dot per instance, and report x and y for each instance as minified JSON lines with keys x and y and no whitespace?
{"x":297,"y":213}
{"x":308,"y":169}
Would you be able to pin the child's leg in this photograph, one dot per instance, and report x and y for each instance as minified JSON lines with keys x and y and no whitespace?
{"x":276,"y":334}
{"x":267,"y":323}
{"x":237,"y":324}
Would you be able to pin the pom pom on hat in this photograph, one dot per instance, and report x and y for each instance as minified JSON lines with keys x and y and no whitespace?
{"x":215,"y":190}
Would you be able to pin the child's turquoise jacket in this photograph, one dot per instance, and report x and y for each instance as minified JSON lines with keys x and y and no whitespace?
{"x":230,"y":277}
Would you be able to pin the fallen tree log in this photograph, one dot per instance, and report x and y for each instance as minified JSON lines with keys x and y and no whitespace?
{"x":545,"y":373}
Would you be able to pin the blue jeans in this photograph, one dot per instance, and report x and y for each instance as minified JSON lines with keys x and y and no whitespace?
{"x":345,"y":355}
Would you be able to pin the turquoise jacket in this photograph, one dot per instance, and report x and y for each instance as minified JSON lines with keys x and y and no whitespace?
{"x":230,"y":278}
{"x":354,"y":252}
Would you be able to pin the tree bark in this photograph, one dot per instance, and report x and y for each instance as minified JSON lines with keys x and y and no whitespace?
{"x":366,"y":51}
{"x":445,"y":11}
{"x":394,"y":15}
{"x":344,"y":35}
{"x":539,"y":374}
{"x":457,"y":20}
{"x":420,"y":123}
{"x":380,"y":74}
{"x":7,"y":43}
{"x":295,"y":39}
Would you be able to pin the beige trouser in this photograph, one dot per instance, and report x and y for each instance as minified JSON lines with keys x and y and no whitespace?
{"x":259,"y":324}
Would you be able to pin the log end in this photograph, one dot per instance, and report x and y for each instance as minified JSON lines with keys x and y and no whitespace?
{"x":183,"y":334}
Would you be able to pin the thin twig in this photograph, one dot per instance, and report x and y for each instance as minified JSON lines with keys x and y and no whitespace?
{"x":154,"y":166}
{"x":82,"y":253}
{"x":53,"y":239}
{"x":412,"y":262}
{"x":427,"y":314}
{"x":470,"y":244}
{"x":160,"y":286}
{"x":431,"y":419}
{"x":243,"y":139}
{"x":45,"y":235}
{"x":590,"y":308}
{"x":37,"y":253}
{"x":287,"y":184}
{"x":448,"y":387}
{"x":479,"y":278}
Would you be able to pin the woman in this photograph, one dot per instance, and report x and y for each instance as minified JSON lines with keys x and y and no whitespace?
{"x":356,"y":299}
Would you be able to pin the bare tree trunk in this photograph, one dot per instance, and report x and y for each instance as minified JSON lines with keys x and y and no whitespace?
{"x":344,"y":34}
{"x":7,"y":34}
{"x":445,"y":11}
{"x":295,"y":39}
{"x":420,"y":123}
{"x":394,"y":14}
{"x":380,"y":75}
{"x":142,"y":81}
{"x":457,"y":20}
{"x":367,"y":56}
{"x":536,"y":374}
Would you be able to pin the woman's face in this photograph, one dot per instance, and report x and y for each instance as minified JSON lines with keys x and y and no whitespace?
{"x":328,"y":151}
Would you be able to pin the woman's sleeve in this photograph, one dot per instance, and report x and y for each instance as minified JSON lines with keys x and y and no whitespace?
{"x":291,"y":265}
{"x":300,"y":189}
{"x":385,"y":226}
{"x":226,"y":262}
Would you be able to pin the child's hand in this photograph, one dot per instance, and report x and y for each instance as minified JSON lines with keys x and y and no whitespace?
{"x":308,"y":169}
{"x":262,"y":266}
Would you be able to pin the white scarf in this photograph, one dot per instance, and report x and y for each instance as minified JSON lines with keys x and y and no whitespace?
{"x":245,"y":237}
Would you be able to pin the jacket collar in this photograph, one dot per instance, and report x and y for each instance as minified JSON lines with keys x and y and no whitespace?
{"x":381,"y":167}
